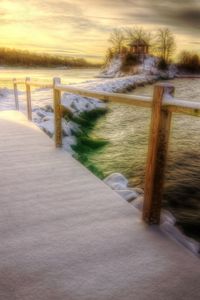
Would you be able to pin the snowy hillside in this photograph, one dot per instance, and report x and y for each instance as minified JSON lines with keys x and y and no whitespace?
{"x":147,"y":67}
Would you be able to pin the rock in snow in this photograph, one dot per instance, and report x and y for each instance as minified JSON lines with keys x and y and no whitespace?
{"x":138,"y":203}
{"x":47,"y":127}
{"x":69,"y":128}
{"x":128,"y":194}
{"x":116,"y":181}
{"x":119,"y":183}
{"x":69,"y":141}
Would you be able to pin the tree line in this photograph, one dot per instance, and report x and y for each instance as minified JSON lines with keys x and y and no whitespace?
{"x":13,"y":57}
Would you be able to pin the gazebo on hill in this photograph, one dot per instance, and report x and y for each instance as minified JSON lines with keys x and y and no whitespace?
{"x":139,"y":47}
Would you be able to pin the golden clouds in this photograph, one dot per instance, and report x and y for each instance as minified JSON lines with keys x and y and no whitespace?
{"x":81,"y":28}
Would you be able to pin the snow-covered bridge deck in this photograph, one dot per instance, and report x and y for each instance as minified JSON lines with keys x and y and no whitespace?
{"x":64,"y":235}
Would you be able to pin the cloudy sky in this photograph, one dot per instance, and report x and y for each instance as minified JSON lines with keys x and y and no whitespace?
{"x":82,"y":27}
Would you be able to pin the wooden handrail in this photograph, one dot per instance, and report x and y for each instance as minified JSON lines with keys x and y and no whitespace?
{"x":182,"y":107}
{"x":135,"y":100}
{"x":162,"y":105}
{"x":35,"y":83}
{"x":173,"y":104}
{"x":41,"y":84}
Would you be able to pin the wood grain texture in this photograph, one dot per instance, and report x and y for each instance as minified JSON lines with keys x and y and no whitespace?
{"x":16,"y":94}
{"x":157,"y":155}
{"x":57,"y":113}
{"x":28,"y":99}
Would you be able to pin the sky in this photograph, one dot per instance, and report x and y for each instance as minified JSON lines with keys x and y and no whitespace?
{"x":81,"y":28}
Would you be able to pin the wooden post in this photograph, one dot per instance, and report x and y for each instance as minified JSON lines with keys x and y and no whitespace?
{"x":157,"y":153}
{"x":16,"y":94}
{"x":57,"y":113}
{"x":28,"y":98}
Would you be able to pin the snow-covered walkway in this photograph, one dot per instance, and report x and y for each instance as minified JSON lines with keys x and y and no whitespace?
{"x":65,"y":235}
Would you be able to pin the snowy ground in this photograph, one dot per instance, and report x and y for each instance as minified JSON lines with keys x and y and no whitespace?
{"x":148,"y":67}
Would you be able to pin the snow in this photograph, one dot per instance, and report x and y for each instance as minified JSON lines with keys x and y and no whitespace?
{"x":112,"y":69}
{"x":78,"y":104}
{"x":128,"y":194}
{"x":47,"y":127}
{"x":119,"y":183}
{"x":69,"y":141}
{"x":116,"y":181}
{"x":169,"y":228}
{"x":148,"y":67}
{"x":69,"y":128}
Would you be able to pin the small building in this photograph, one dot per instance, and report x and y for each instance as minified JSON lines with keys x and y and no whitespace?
{"x":139,"y":47}
{"x":123,"y":52}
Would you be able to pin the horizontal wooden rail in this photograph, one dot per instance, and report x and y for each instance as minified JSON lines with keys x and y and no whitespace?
{"x":162,"y":105}
{"x":135,"y":100}
{"x":41,"y":84}
{"x":36,"y":83}
{"x":173,"y":105}
{"x":182,"y":107}
{"x":28,"y":84}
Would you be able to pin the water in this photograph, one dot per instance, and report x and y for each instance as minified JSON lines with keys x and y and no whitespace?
{"x":126,"y":129}
{"x":46,"y":74}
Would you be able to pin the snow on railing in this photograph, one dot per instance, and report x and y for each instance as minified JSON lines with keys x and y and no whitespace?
{"x":162,"y":105}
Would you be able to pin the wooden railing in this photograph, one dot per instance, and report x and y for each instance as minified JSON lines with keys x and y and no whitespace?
{"x":162,"y":105}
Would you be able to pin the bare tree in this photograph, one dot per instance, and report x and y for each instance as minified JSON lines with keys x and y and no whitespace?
{"x":189,"y":61}
{"x":138,"y":33}
{"x":165,"y":43}
{"x":117,"y":39}
{"x":109,"y":56}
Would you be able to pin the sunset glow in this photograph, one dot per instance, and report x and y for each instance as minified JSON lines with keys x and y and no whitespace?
{"x":82,"y":28}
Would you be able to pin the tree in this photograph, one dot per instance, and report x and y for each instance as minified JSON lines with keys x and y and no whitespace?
{"x":138,"y":33}
{"x":108,"y":57}
{"x":189,"y":61}
{"x":117,"y":39}
{"x":165,"y":44}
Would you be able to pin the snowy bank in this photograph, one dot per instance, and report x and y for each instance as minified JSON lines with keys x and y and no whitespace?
{"x":148,"y":67}
{"x":76,"y":104}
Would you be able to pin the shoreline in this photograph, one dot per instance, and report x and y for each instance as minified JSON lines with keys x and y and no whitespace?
{"x":195,"y":76}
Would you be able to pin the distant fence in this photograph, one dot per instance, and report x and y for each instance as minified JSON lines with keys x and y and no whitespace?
{"x":162,"y":105}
